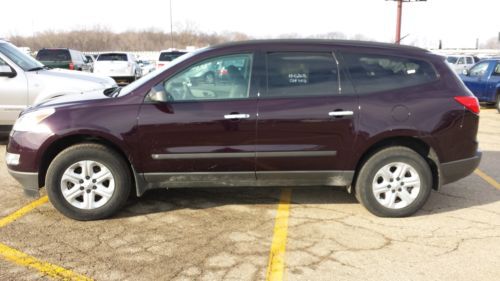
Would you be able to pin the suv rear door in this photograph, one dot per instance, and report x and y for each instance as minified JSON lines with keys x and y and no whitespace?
{"x":205,"y":133}
{"x":306,"y":124}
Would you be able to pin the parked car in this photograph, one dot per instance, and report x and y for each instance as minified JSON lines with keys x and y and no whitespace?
{"x":25,"y":81}
{"x":63,"y":58}
{"x":146,"y":66}
{"x":168,"y":56}
{"x":390,"y":122}
{"x":460,"y":63}
{"x":483,"y":79}
{"x":120,"y":66}
{"x":91,"y":61}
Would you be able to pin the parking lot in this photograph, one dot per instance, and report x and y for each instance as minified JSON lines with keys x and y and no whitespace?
{"x":241,"y":234}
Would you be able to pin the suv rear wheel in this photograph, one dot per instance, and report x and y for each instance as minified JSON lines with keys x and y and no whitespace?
{"x":394,"y":182}
{"x":88,"y":182}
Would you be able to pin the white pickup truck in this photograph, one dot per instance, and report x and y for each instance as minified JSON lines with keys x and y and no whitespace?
{"x":459,"y":63}
{"x":25,"y":81}
{"x":120,"y":66}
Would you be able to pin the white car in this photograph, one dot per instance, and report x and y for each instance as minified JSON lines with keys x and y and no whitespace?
{"x":166,"y":56}
{"x":459,"y":63}
{"x":25,"y":81}
{"x":120,"y":66}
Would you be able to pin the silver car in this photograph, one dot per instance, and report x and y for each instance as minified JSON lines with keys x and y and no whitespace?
{"x":25,"y":81}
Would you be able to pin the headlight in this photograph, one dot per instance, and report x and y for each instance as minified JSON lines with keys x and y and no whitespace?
{"x":30,"y":122}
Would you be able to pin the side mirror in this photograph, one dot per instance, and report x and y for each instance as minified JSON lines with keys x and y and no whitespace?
{"x":158,"y":96}
{"x":465,"y":72}
{"x":7,"y":71}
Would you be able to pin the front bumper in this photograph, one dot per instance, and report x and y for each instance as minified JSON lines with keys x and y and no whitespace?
{"x":29,"y":181}
{"x":455,"y":170}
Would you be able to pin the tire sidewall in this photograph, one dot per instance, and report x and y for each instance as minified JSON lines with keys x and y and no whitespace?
{"x":71,"y":156}
{"x":373,"y":165}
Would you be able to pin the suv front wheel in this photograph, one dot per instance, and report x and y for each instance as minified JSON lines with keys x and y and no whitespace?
{"x":394,"y":182}
{"x":88,"y":182}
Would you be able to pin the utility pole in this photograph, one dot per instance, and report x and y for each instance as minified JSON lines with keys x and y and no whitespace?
{"x":171,"y":29}
{"x":400,"y":16}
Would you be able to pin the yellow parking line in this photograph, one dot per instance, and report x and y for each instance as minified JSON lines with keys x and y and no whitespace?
{"x":276,"y":263}
{"x":21,"y":212}
{"x":20,"y":258}
{"x":487,"y":178}
{"x":45,"y":268}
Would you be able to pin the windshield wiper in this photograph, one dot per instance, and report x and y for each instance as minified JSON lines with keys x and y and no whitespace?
{"x":38,"y":68}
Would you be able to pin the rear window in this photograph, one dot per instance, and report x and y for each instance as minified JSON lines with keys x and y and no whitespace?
{"x":53,"y":55}
{"x":112,"y":57}
{"x":298,"y":74}
{"x":170,"y":56}
{"x":374,"y":73}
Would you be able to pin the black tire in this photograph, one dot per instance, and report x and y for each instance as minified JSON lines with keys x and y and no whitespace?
{"x":96,"y":152}
{"x":497,"y":104}
{"x":363,"y":189}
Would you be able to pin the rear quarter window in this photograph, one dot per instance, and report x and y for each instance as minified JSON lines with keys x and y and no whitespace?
{"x":375,"y":73}
{"x":53,"y":55}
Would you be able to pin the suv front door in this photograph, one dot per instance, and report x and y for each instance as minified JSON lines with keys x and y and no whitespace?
{"x":205,"y":132}
{"x":13,"y":94}
{"x":306,"y":125}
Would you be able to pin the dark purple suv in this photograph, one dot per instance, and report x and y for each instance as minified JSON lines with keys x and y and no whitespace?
{"x":388,"y":122}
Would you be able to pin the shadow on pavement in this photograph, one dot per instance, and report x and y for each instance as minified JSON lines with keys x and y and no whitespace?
{"x":466,"y":193}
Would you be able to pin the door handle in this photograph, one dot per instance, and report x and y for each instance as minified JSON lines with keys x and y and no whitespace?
{"x":237,"y":116}
{"x":340,"y":113}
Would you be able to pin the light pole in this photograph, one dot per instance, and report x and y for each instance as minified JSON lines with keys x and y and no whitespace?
{"x":399,"y":17}
{"x":171,"y":29}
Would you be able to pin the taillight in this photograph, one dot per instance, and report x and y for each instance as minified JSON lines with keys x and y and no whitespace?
{"x":471,"y":103}
{"x":71,"y":66}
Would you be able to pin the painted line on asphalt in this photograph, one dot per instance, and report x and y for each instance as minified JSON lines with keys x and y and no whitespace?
{"x":20,"y":258}
{"x":21,"y":212}
{"x":276,"y":265}
{"x":47,"y":269}
{"x":487,"y":178}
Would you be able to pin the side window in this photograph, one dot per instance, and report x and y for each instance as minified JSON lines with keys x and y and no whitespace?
{"x":479,"y":69}
{"x":219,"y":78}
{"x":461,"y":60}
{"x":297,"y":74}
{"x":469,"y":60}
{"x":374,"y":73}
{"x":2,"y":62}
{"x":496,"y":72}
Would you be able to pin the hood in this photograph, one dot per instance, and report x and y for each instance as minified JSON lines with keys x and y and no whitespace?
{"x":104,"y":81}
{"x":81,"y":97}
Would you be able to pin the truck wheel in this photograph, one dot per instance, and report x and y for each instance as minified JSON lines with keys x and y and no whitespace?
{"x":394,"y":182}
{"x":88,"y":182}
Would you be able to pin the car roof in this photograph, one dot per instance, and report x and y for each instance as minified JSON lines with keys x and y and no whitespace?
{"x":330,"y":42}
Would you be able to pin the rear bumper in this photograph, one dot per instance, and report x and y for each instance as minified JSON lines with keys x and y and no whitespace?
{"x":29,"y":181}
{"x":455,"y":170}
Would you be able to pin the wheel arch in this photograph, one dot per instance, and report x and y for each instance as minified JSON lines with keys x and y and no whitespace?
{"x":62,"y":143}
{"x":418,"y":145}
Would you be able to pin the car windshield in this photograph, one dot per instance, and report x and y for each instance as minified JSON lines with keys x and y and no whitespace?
{"x":452,"y":59}
{"x":137,"y":83}
{"x":170,"y":56}
{"x":112,"y":57}
{"x":53,"y":55}
{"x":21,"y":59}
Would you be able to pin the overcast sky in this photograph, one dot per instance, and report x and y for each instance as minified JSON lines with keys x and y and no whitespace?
{"x":457,"y":23}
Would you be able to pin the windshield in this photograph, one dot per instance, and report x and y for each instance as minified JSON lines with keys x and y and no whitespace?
{"x":452,"y":59}
{"x":137,"y":83}
{"x":170,"y":56}
{"x":53,"y":55}
{"x":112,"y":57}
{"x":21,"y":59}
